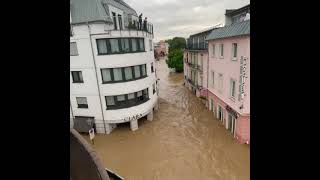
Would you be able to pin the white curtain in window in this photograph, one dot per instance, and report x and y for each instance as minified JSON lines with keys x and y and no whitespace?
{"x":128,"y":73}
{"x":117,"y":74}
{"x":106,"y":75}
{"x":139,"y":93}
{"x":143,"y":70}
{"x":120,"y":98}
{"x":102,"y":46}
{"x":80,"y":76}
{"x":134,"y":44}
{"x":137,"y":71}
{"x":125,"y":45}
{"x":131,"y":96}
{"x":81,"y":100}
{"x":150,"y":43}
{"x":141,"y":44}
{"x":145,"y":93}
{"x":114,"y":43}
{"x":110,"y":100}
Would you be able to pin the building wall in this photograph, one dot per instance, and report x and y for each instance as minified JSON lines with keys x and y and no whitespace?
{"x":230,"y":69}
{"x":84,"y":62}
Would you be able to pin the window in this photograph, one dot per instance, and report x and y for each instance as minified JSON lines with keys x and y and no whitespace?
{"x":134,"y":44}
{"x":234,"y":51}
{"x":77,"y":76}
{"x":150,"y":43}
{"x":221,"y":50}
{"x":123,"y":74}
{"x":212,"y":78}
{"x":144,"y":72}
{"x":220,"y":83}
{"x":114,"y":44}
{"x":106,"y":75}
{"x":154,"y":88}
{"x":82,"y":102}
{"x":152,"y":70}
{"x":137,"y":71}
{"x":213,"y":50}
{"x":128,"y":73}
{"x":126,"y":100}
{"x":141,"y":44}
{"x":73,"y":49}
{"x":110,"y":100}
{"x":117,"y":74}
{"x":114,"y":20}
{"x":120,"y":21}
{"x":125,"y":45}
{"x":102,"y":46}
{"x":120,"y":45}
{"x":232,"y":88}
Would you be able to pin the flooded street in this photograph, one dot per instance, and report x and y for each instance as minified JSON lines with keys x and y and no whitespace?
{"x":184,"y":141}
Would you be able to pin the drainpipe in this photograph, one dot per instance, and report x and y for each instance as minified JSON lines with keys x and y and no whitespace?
{"x":72,"y":112}
{"x":95,"y":69}
{"x":208,"y":78}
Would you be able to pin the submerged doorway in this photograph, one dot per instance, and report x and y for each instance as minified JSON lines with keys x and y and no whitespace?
{"x":231,"y":123}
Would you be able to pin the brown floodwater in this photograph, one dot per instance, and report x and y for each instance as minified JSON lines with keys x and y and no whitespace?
{"x":184,"y":141}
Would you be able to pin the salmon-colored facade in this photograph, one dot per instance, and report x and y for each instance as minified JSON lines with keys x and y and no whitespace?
{"x":229,"y":84}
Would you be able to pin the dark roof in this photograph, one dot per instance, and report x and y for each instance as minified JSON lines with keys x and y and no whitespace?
{"x":83,"y":11}
{"x":203,"y":32}
{"x":236,"y":29}
{"x":236,"y":11}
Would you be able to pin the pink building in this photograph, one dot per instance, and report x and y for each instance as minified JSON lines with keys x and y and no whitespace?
{"x":229,"y":78}
{"x":161,"y":49}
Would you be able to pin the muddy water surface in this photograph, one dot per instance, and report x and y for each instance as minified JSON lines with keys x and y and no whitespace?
{"x":184,"y":141}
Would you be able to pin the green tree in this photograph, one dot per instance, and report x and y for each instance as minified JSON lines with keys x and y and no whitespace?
{"x":175,"y":56}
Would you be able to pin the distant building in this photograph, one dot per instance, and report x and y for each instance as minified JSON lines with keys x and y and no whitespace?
{"x":236,"y":15}
{"x":196,"y":63}
{"x":112,"y":66}
{"x":161,"y":49}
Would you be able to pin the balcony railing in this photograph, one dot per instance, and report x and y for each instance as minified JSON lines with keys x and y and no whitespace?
{"x":197,"y":46}
{"x":195,"y":66}
{"x":135,"y":25}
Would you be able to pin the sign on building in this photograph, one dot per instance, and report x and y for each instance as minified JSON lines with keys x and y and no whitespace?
{"x":243,"y":64}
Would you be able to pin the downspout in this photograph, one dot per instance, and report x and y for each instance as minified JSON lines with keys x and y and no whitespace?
{"x":95,"y":69}
{"x":208,"y":78}
{"x":71,"y":112}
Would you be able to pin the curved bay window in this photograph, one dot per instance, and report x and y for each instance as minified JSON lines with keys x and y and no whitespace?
{"x":123,"y":74}
{"x":127,"y":100}
{"x":120,"y":45}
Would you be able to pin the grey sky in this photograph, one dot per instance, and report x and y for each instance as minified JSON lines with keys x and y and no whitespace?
{"x":172,"y":18}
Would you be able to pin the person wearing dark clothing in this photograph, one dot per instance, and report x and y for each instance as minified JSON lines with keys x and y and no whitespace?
{"x":145,"y":24}
{"x":140,"y":21}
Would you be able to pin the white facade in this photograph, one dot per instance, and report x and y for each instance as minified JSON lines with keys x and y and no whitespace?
{"x":90,"y":63}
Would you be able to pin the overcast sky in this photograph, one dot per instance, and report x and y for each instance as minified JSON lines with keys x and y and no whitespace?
{"x":172,"y":18}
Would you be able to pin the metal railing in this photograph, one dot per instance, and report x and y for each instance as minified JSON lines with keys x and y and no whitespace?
{"x":197,"y":46}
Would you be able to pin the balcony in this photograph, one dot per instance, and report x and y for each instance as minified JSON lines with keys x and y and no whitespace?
{"x":197,"y":46}
{"x":195,"y":66}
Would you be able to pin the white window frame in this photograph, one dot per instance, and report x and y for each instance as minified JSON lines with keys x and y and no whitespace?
{"x":76,"y":53}
{"x":213,"y":50}
{"x":230,"y":93}
{"x":221,"y":51}
{"x":232,"y":52}
{"x":213,"y":76}
{"x":220,"y":82}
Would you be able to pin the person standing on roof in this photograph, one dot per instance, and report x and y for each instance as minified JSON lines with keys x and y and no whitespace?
{"x":145,"y":24}
{"x":140,"y":22}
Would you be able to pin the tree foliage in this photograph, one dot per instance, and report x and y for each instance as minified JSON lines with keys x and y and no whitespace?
{"x":175,"y":57}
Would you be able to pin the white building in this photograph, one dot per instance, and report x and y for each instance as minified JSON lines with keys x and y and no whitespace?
{"x":112,"y":67}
